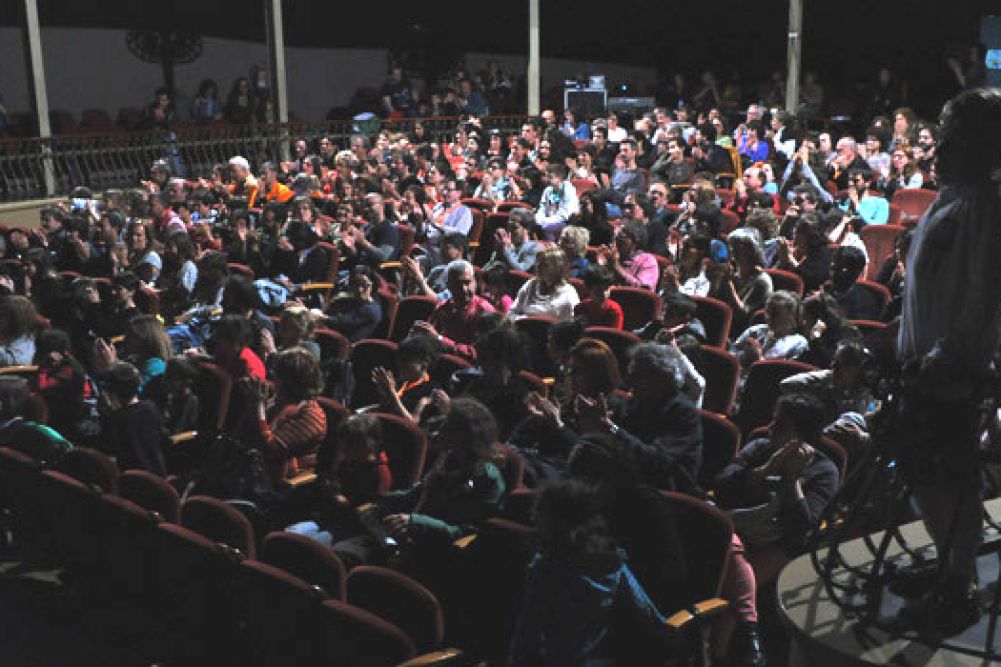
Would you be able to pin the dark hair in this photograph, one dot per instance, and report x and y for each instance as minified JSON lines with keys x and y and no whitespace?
{"x":570,"y":522}
{"x":969,"y":145}
{"x":598,"y":277}
{"x":852,"y":258}
{"x":475,"y":423}
{"x":804,"y":412}
{"x":604,"y":459}
{"x":635,"y":230}
{"x":298,"y":372}
{"x":126,"y":280}
{"x":122,"y":380}
{"x":418,"y":347}
{"x":456,"y":240}
{"x":810,"y":227}
{"x":365,"y":427}
{"x":502,"y":345}
{"x":599,"y":365}
{"x":679,"y":303}
{"x":564,"y":335}
{"x":181,"y":241}
{"x":51,"y":340}
{"x":233,"y":328}
{"x":239,"y":295}
{"x":146,"y":337}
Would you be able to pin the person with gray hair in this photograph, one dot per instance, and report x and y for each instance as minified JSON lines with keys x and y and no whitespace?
{"x":454,"y":322}
{"x":243,"y":184}
{"x":658,"y":420}
{"x":742,"y":283}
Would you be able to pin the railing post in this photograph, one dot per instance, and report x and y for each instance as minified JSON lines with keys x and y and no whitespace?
{"x":40,"y":93}
{"x":534,"y":73}
{"x":276,"y":70}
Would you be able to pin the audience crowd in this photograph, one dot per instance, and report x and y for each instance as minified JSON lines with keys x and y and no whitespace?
{"x":577,"y":312}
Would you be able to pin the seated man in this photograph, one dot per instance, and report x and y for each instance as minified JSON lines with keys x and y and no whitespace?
{"x":559,"y":202}
{"x":453,"y":323}
{"x":451,"y":215}
{"x":784,"y":477}
{"x":514,"y":247}
{"x":856,"y":302}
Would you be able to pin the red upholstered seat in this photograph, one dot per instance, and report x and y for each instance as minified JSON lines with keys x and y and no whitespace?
{"x":151,"y":492}
{"x":721,"y":371}
{"x":639,"y":305}
{"x":761,"y":390}
{"x":716,"y":316}
{"x":354,"y":637}
{"x":311,"y":561}
{"x":397,"y":598}
{"x":405,"y":445}
{"x":219,"y":522}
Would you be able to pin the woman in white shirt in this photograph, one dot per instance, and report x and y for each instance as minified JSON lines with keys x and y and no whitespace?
{"x":548,"y":293}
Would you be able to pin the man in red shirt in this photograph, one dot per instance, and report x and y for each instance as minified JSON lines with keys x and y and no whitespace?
{"x":453,"y":323}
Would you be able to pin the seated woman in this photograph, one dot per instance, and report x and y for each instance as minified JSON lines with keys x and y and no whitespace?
{"x":778,"y":338}
{"x":549,"y":434}
{"x":462,"y":488}
{"x":496,"y":281}
{"x":574,"y":240}
{"x":351,"y":470}
{"x":411,"y":397}
{"x":18,"y":323}
{"x":179,"y":276}
{"x":357,"y":314}
{"x":807,"y":255}
{"x":295,"y":329}
{"x":131,"y":428}
{"x":548,"y":293}
{"x":580,"y":587}
{"x":146,"y":346}
{"x":294,"y":424}
{"x":743,"y":284}
{"x":632,"y":266}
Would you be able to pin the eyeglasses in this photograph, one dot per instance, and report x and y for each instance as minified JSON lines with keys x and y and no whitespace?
{"x":655,"y":193}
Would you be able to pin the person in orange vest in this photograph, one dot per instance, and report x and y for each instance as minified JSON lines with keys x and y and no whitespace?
{"x":274,"y":191}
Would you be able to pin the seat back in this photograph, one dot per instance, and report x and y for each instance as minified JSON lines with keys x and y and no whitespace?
{"x":395,"y":597}
{"x":152,"y":493}
{"x":621,"y":342}
{"x":213,"y":387}
{"x":280,"y":614}
{"x":406,"y":234}
{"x":405,"y":445}
{"x":761,"y":390}
{"x":639,"y":305}
{"x":354,"y":637}
{"x":411,"y":308}
{"x":879,"y":243}
{"x":390,"y":302}
{"x":309,"y":560}
{"x":218,"y":521}
{"x":879,"y":292}
{"x":787,"y":280}
{"x":91,"y":467}
{"x":535,"y":337}
{"x":446,"y":366}
{"x":708,"y":535}
{"x":717,"y":317}
{"x":721,"y":371}
{"x":720,"y":443}
{"x":913,"y":202}
{"x":365,"y":356}
{"x":333,"y":344}
{"x":493,"y":222}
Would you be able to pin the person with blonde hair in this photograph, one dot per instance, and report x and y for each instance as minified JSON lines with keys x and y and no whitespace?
{"x":573,"y":240}
{"x":548,"y":293}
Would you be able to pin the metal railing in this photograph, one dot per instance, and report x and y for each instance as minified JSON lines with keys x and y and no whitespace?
{"x":121,"y":159}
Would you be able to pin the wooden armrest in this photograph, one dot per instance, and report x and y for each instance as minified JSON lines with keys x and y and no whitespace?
{"x":464,"y":541}
{"x":302,"y":478}
{"x":444,"y":657}
{"x":116,"y":340}
{"x":391,"y":265}
{"x":14,"y":370}
{"x":703,"y":609}
{"x":549,"y":381}
{"x":183,"y":436}
{"x":312,"y":287}
{"x":473,"y":244}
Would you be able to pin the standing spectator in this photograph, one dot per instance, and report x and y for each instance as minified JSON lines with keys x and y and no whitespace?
{"x":206,"y":107}
{"x":239,"y":108}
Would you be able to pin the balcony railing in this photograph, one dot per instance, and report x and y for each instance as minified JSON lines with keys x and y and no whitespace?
{"x":121,"y":159}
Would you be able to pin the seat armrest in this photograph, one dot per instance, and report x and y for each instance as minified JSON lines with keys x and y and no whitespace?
{"x":700,"y":610}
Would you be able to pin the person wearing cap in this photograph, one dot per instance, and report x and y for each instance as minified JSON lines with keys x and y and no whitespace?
{"x":243,"y":184}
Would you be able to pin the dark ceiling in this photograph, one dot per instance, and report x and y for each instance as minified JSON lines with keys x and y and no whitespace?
{"x":843,"y":40}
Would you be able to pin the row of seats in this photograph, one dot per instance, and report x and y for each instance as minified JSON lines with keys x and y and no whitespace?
{"x":196,"y":569}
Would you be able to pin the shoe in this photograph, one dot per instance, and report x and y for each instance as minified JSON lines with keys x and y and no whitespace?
{"x":943,"y":613}
{"x":914,"y":581}
{"x":745,"y":649}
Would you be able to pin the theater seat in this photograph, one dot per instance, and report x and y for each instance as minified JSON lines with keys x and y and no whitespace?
{"x":307,"y":559}
{"x":397,"y":598}
{"x":353,"y":637}
{"x":216,"y":520}
{"x":152,"y":493}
